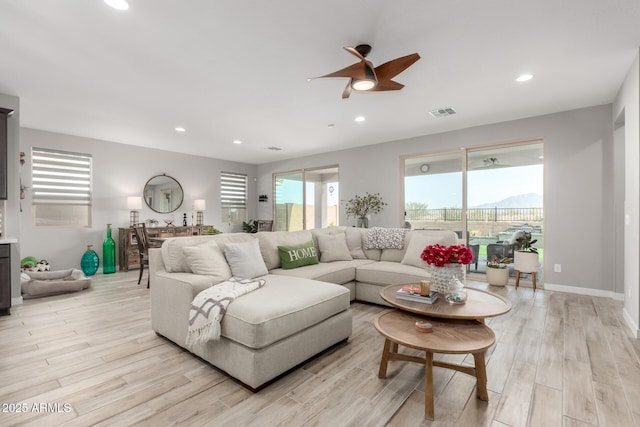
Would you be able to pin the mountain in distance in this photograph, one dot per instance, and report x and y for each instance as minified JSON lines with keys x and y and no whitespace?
{"x":530,"y":200}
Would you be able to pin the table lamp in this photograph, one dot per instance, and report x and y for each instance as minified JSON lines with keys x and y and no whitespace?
{"x":134,"y":203}
{"x":199,"y":205}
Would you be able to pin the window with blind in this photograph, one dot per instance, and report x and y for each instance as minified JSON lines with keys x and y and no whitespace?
{"x":233,"y":197}
{"x":61,"y":188}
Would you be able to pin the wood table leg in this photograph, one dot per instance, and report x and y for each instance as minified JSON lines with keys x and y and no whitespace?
{"x":517,"y":278}
{"x":428,"y":386}
{"x":533,"y":279}
{"x":382,"y":373}
{"x":481,"y":376}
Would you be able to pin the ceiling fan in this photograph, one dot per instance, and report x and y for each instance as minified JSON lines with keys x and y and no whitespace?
{"x":363,"y":77}
{"x":491,"y":163}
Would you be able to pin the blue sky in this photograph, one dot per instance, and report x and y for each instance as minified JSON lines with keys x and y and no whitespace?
{"x":484,"y":186}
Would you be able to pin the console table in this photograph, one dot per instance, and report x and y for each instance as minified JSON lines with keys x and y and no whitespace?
{"x":128,"y":257}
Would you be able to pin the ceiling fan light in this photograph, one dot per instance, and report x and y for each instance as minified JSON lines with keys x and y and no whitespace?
{"x":363,"y":84}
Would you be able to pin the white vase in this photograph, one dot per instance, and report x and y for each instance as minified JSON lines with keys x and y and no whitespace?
{"x":441,"y":276}
{"x":526,"y":262}
{"x":497,"y":276}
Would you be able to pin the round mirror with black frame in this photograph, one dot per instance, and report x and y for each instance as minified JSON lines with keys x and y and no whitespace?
{"x":163,"y":194}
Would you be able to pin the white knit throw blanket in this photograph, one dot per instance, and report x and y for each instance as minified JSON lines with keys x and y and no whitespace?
{"x":208,"y":307}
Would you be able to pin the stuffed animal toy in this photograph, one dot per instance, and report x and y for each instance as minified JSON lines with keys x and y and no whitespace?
{"x":43,"y":265}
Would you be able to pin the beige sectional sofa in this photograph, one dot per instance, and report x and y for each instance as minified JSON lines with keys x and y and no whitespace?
{"x":299,"y":311}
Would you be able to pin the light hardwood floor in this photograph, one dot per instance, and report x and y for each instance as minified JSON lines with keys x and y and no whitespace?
{"x":559,"y":360}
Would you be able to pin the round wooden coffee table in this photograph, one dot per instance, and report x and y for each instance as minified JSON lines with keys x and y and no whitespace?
{"x":479,"y":305}
{"x":449,"y":336}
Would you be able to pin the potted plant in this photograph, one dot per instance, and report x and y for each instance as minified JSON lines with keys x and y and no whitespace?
{"x":250,"y":226}
{"x":526,"y":256}
{"x":361,"y":207}
{"x":497,"y":271}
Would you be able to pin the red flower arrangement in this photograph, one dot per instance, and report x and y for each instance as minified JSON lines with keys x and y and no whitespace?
{"x":439,"y":255}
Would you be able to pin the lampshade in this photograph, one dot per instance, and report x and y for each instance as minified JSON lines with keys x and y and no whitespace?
{"x":199,"y":205}
{"x":134,"y":202}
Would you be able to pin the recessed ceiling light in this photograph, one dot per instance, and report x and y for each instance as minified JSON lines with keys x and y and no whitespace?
{"x":524,"y":78}
{"x":118,"y":4}
{"x":331,"y":125}
{"x":180,"y":129}
{"x":360,"y":119}
{"x":237,"y":141}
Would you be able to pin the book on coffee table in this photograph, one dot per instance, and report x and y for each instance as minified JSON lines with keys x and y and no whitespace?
{"x":405,"y":294}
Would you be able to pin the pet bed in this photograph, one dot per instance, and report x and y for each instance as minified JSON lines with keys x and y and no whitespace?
{"x":40,"y":284}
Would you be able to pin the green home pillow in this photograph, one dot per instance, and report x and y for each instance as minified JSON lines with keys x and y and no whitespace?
{"x":298,"y":255}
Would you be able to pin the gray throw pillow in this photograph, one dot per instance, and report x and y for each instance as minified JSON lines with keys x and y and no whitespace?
{"x":333,"y":247}
{"x":245,"y":259}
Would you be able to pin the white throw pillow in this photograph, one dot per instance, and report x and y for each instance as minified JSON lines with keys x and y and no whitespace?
{"x":245,"y":259}
{"x":416,"y":245}
{"x":207,"y":259}
{"x":333,"y":247}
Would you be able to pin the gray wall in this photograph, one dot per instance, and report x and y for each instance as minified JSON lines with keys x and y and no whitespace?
{"x":12,"y":212}
{"x":578,"y":185}
{"x":626,"y":109}
{"x":119,"y":171}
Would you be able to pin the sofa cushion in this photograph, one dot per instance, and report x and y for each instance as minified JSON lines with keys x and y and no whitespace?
{"x":174,"y":259}
{"x":207,"y":259}
{"x":339,"y":272}
{"x":420,"y":239}
{"x":298,"y":255}
{"x":282,"y":307}
{"x":245,"y":259}
{"x":270,"y":240}
{"x":333,"y":247}
{"x":386,"y":273}
{"x":354,"y":243}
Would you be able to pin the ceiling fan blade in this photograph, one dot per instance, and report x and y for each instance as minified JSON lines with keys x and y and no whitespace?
{"x":355,"y":71}
{"x":390,"y":69}
{"x":353,"y":51}
{"x":386,"y":85}
{"x":347,"y":90}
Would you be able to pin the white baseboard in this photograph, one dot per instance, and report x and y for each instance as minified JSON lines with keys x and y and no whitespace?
{"x":584,"y":291}
{"x":16,"y":301}
{"x":633,"y":328}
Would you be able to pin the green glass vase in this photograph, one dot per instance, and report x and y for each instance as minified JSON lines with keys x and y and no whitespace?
{"x":108,"y":253}
{"x":89,"y":262}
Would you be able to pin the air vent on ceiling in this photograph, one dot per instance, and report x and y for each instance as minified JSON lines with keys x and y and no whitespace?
{"x":442,"y":112}
{"x":274,"y":148}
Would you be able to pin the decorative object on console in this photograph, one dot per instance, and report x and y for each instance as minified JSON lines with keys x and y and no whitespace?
{"x":445,"y":263}
{"x":108,"y":253}
{"x":361,"y":207}
{"x":184,"y":219}
{"x":199,"y":205}
{"x":89,"y":262}
{"x":134,"y":204}
{"x":263,"y":198}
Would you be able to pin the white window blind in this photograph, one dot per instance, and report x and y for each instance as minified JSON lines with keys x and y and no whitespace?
{"x":61,"y":188}
{"x":233,"y":196}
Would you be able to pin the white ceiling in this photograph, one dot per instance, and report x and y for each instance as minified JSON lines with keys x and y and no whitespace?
{"x":230,"y":70}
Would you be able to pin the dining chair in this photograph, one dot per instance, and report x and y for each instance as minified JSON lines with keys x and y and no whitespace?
{"x":142,"y":238}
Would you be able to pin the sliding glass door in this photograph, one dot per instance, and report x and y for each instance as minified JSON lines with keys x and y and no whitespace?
{"x":483,"y":194}
{"x":306,"y":199}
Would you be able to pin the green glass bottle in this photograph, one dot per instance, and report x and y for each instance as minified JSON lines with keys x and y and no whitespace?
{"x":108,"y":253}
